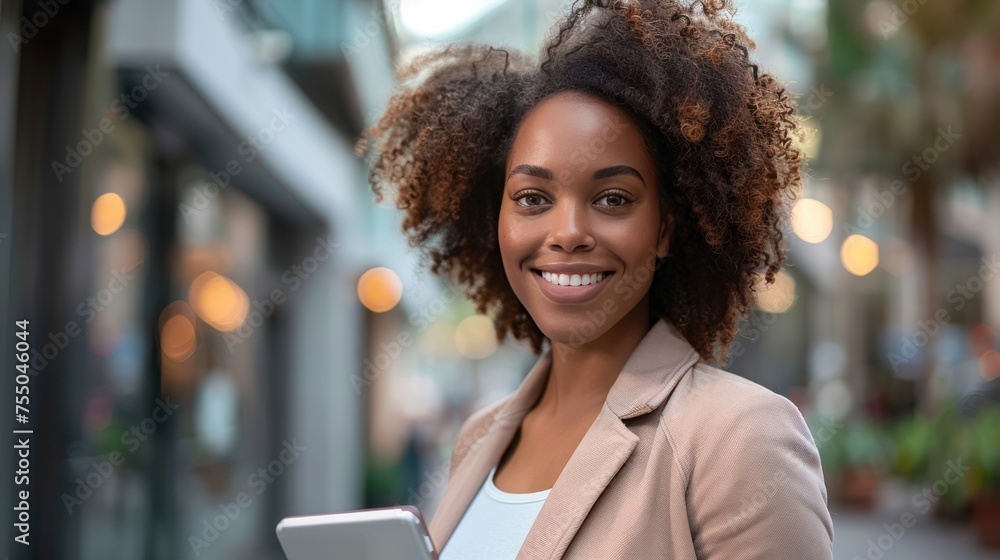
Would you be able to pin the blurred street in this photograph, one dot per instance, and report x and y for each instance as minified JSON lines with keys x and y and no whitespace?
{"x":218,"y":325}
{"x":929,"y":538}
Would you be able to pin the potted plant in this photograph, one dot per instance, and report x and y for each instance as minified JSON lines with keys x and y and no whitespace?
{"x":951,"y":440}
{"x":914,"y":438}
{"x":984,"y":476}
{"x":855,"y":459}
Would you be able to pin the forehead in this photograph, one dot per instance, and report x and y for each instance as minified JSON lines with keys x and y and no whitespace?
{"x":579,"y":131}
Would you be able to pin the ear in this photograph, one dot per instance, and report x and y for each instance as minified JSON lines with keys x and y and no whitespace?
{"x":666,"y":231}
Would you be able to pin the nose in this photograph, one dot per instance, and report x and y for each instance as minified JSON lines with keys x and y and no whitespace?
{"x":569,"y":229}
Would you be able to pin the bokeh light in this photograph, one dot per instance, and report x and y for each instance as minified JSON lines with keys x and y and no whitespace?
{"x":834,"y":399}
{"x":107,"y":214}
{"x":859,"y":254}
{"x":777,"y":297}
{"x":812,"y":137}
{"x":812,"y":221}
{"x":219,"y":301}
{"x":177,"y":338}
{"x":380,"y":289}
{"x":475,"y":337}
{"x":178,"y":335}
{"x":989,"y":365}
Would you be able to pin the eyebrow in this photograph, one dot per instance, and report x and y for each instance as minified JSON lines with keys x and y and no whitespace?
{"x":617,"y":170}
{"x":543,"y":173}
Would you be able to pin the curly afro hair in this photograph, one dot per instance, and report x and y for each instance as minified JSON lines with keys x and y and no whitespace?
{"x":720,"y":132}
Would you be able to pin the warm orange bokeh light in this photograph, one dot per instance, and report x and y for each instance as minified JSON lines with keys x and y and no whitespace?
{"x":178,"y":333}
{"x":107,"y":214}
{"x":379,"y":289}
{"x":177,"y":338}
{"x":219,"y":301}
{"x":859,"y":254}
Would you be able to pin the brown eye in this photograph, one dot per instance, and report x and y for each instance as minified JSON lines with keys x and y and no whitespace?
{"x":614,"y":200}
{"x":530,"y":199}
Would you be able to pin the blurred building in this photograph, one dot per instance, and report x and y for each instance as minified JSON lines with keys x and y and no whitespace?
{"x":181,"y":209}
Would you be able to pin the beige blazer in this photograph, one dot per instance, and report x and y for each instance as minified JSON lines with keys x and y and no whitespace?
{"x":684,"y":462}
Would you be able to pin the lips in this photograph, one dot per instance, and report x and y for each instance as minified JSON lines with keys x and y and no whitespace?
{"x":571,"y":287}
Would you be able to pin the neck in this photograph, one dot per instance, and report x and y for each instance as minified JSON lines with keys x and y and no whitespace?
{"x":582,"y":375}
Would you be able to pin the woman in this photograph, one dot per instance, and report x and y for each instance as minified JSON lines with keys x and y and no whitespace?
{"x":613,"y":206}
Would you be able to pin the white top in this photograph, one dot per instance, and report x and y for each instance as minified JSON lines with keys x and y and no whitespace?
{"x":495,"y":525}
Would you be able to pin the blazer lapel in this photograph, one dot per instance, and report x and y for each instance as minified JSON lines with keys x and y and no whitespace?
{"x":602,"y":451}
{"x":486,"y":452}
{"x":646,"y":380}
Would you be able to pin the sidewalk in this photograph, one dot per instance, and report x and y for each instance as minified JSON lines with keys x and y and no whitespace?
{"x":928,"y":538}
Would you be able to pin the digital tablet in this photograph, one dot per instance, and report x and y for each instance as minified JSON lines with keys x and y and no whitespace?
{"x":390,"y":533}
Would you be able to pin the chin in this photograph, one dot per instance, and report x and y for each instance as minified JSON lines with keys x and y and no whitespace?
{"x":573,"y":331}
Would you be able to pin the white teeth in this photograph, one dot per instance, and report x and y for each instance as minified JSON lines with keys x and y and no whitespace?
{"x":574,"y":279}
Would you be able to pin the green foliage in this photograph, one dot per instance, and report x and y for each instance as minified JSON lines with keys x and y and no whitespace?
{"x":914,"y":440}
{"x":925,"y":450}
{"x":860,"y":443}
{"x":980,"y":442}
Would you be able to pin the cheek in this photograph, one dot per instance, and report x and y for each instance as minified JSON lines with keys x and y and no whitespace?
{"x":503,"y":233}
{"x":509,"y":242}
{"x":634,"y":243}
{"x":628,"y":239}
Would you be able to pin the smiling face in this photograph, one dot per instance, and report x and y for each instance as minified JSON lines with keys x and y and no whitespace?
{"x":580,"y":225}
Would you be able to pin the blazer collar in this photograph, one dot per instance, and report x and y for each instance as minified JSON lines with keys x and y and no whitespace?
{"x":646,"y":380}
